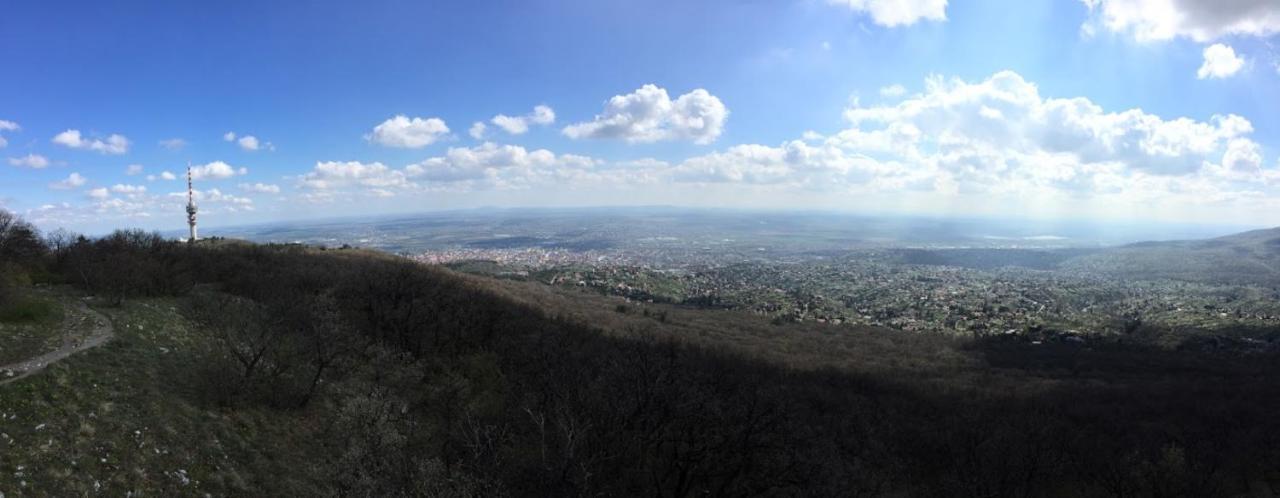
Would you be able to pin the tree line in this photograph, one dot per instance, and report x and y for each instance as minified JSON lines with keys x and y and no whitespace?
{"x":432,"y":385}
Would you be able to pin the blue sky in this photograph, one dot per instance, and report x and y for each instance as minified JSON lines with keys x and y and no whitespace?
{"x":1107,"y":109}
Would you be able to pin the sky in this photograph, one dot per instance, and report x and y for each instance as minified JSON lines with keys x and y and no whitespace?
{"x":1160,"y":110}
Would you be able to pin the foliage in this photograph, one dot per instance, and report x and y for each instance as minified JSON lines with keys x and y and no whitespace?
{"x":26,"y":310}
{"x":404,"y":380}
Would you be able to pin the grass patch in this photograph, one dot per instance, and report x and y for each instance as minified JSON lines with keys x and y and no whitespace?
{"x":124,"y":418}
{"x":27,"y":310}
{"x":30,"y":327}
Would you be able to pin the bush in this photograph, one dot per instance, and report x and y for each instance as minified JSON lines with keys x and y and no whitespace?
{"x":24,"y":309}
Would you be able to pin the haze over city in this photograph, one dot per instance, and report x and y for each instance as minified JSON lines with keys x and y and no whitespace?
{"x":1106,"y":110}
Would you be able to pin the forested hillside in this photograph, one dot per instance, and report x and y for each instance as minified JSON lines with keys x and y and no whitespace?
{"x":1250,"y":258}
{"x":363,"y":374}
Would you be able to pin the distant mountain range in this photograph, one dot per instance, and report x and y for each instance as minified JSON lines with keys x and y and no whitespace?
{"x":1248,"y":257}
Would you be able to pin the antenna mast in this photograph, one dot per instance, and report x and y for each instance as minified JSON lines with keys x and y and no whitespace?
{"x":191,"y":206}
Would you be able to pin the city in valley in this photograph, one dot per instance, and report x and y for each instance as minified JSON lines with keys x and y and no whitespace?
{"x":975,"y":277}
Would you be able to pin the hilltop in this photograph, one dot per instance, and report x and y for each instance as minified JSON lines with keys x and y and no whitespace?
{"x":1249,"y":257}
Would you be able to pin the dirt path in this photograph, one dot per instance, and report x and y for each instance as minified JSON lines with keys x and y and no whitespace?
{"x":82,"y":328}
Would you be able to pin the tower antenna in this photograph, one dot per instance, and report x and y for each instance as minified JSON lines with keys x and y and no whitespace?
{"x":191,"y":206}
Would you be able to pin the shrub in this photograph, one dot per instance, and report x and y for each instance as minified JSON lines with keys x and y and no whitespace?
{"x":24,"y":309}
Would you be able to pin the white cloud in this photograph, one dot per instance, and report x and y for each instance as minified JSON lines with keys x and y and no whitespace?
{"x":114,"y":143}
{"x":34,"y":161}
{"x":333,"y":175}
{"x":1243,"y":156}
{"x":400,"y":131}
{"x":214,"y":196}
{"x":542,"y":115}
{"x":893,"y":91}
{"x":1199,"y":20}
{"x":133,"y":169}
{"x":216,"y":170}
{"x":120,"y":188}
{"x":248,"y":142}
{"x":512,"y":125}
{"x":1007,"y":113}
{"x":1220,"y":61}
{"x":794,"y":164}
{"x":649,"y":115}
{"x":7,"y":126}
{"x":73,"y":180}
{"x":892,"y":13}
{"x":99,"y":193}
{"x":477,"y":130}
{"x":518,"y":125}
{"x":165,"y":175}
{"x":174,"y":144}
{"x":260,"y":188}
{"x":486,"y":166}
{"x":1000,"y":139}
{"x":501,"y":165}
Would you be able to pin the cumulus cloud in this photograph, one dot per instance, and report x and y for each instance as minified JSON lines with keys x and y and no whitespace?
{"x":7,"y":126}
{"x":1242,"y":157}
{"x":133,"y":169}
{"x":518,"y":125}
{"x":114,"y":144}
{"x":999,"y":138}
{"x":73,"y":180}
{"x":649,"y":115}
{"x":1199,"y":20}
{"x":486,"y":166}
{"x":497,"y":165}
{"x":1220,"y":61}
{"x":216,"y":170}
{"x":247,"y":142}
{"x":891,"y":13}
{"x":401,"y":131}
{"x":334,"y":175}
{"x":477,"y":130}
{"x":214,"y":196}
{"x":893,"y":91}
{"x":512,"y":125}
{"x":120,"y":188}
{"x":165,"y":175}
{"x":260,"y":188}
{"x":1006,"y":113}
{"x":796,"y":164}
{"x":34,"y":161}
{"x":99,"y":193}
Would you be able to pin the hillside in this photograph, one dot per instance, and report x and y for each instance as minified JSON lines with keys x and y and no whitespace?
{"x":1250,"y":257}
{"x":249,"y":370}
